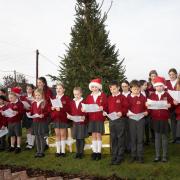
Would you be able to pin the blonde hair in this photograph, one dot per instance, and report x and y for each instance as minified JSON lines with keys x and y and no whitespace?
{"x":60,"y":84}
{"x":78,"y":89}
{"x":40,"y":91}
{"x":13,"y":94}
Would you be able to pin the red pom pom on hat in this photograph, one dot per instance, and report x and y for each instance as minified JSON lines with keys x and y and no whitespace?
{"x":96,"y":82}
{"x":159,"y":81}
{"x":16,"y":90}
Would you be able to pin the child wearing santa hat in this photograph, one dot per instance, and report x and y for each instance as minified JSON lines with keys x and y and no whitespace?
{"x":160,"y":118}
{"x":96,"y":119}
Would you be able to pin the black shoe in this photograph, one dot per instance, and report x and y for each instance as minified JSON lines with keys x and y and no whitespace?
{"x":57,"y":154}
{"x":98,"y":156}
{"x":141,"y":160}
{"x":164,"y":159}
{"x":36,"y":155}
{"x":41,"y":155}
{"x":46,"y":147}
{"x":80,"y":155}
{"x":2,"y":149}
{"x":11,"y":149}
{"x":63,"y":154}
{"x":93,"y":156}
{"x":157,"y":159}
{"x":17,"y":150}
{"x":133,"y":159}
{"x":76,"y":156}
{"x":118,"y":161}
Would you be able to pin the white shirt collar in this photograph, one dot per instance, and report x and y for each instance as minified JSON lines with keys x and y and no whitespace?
{"x":77,"y":101}
{"x":173,"y":83}
{"x":135,"y":96}
{"x":143,"y":93}
{"x":39,"y":102}
{"x":57,"y":96}
{"x":116,"y":94}
{"x":159,"y":94}
{"x":29,"y":95}
{"x":95,"y":96}
{"x":126,"y":93}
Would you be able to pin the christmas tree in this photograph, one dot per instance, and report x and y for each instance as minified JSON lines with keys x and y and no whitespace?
{"x":89,"y":54}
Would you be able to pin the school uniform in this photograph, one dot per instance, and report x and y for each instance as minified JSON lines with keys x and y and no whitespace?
{"x":116,"y":104}
{"x":171,"y":85}
{"x":40,"y":126}
{"x":127,"y":132}
{"x":3,"y":122}
{"x":137,"y":105}
{"x":14,"y":123}
{"x":177,"y":111}
{"x":79,"y":130}
{"x":59,"y":118}
{"x":160,"y":123}
{"x":96,"y":119}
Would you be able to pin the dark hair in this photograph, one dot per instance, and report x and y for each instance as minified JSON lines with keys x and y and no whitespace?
{"x":142,"y":81}
{"x":152,"y":72}
{"x":43,"y":79}
{"x":3,"y":90}
{"x":134,"y":83}
{"x":114,"y":83}
{"x":3,"y":98}
{"x":126,"y":82}
{"x":173,"y":70}
{"x":31,"y":86}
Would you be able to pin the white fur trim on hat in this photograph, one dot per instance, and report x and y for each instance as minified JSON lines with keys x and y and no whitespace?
{"x":158,"y":84}
{"x":99,"y":86}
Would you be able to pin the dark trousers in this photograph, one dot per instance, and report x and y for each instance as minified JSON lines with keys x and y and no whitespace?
{"x":117,"y":135}
{"x":3,"y":143}
{"x":173,"y":125}
{"x":147,"y":129}
{"x":161,"y":139}
{"x":40,"y":143}
{"x":127,"y":135}
{"x":80,"y":146}
{"x":137,"y":137}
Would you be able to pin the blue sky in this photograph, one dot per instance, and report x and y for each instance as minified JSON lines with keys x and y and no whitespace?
{"x":146,"y":32}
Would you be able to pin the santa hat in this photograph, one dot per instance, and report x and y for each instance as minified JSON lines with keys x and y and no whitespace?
{"x":96,"y":83}
{"x":16,"y":90}
{"x":159,"y":81}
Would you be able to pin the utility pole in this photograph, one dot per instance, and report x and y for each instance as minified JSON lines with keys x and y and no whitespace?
{"x":15,"y":80}
{"x":37,"y":65}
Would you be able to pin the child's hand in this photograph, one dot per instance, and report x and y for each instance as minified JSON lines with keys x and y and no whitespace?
{"x":128,"y":114}
{"x":57,"y":109}
{"x":101,"y":108}
{"x":52,"y":108}
{"x":83,"y":118}
{"x":175,"y":102}
{"x":3,"y":127}
{"x":68,"y":116}
{"x":15,"y":112}
{"x":168,"y":105}
{"x":119,"y":114}
{"x":83,"y":110}
{"x":145,"y":113}
{"x":104,"y":113}
{"x":146,"y":104}
{"x":41,"y":115}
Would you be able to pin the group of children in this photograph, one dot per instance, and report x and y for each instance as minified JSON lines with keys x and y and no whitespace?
{"x":126,"y":133}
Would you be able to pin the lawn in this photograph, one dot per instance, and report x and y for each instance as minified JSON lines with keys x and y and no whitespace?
{"x":68,"y":164}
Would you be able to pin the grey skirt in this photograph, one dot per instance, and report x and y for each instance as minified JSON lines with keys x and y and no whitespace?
{"x":40,"y":128}
{"x":178,"y":129}
{"x":15,"y":129}
{"x":60,"y":125}
{"x":96,"y":127}
{"x":27,"y":122}
{"x":79,"y":131}
{"x":161,"y":126}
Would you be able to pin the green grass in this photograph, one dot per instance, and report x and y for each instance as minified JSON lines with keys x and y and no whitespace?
{"x":148,"y":170}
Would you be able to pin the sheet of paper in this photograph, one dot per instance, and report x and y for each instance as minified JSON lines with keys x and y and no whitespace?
{"x":3,"y":132}
{"x":26,"y":104}
{"x":32,"y":116}
{"x":56,"y":103}
{"x":175,"y":95}
{"x":8,"y":113}
{"x":157,"y":104}
{"x":134,"y":116}
{"x":90,"y":107}
{"x":75,"y":118}
{"x":112,"y":116}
